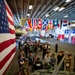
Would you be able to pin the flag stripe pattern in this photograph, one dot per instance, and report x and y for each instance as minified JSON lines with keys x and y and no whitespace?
{"x":7,"y":37}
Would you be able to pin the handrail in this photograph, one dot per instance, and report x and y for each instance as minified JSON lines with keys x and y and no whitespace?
{"x":54,"y":72}
{"x":58,"y":66}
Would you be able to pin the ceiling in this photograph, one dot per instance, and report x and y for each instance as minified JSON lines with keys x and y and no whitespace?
{"x":41,"y":8}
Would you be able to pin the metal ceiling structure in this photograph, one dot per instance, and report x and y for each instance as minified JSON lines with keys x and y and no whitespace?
{"x":20,"y":9}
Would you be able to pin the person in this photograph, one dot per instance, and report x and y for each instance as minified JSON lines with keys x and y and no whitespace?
{"x":31,"y":59}
{"x":47,"y":58}
{"x":26,"y":50}
{"x":26,"y":67}
{"x":47,"y":61}
{"x":59,"y":58}
{"x":35,"y":47}
{"x":21,"y":62}
{"x":52,"y":61}
{"x":68,"y":62}
{"x":56,"y":47}
{"x":49,"y":46}
{"x":38,"y":64}
{"x":35,"y":58}
{"x":19,"y":43}
{"x":44,"y":50}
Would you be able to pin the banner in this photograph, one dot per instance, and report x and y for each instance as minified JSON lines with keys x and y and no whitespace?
{"x":40,"y":23}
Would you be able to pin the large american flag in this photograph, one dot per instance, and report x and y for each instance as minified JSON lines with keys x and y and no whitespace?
{"x":7,"y":37}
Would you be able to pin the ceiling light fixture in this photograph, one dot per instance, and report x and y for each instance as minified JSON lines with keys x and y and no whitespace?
{"x":30,"y":6}
{"x":65,"y":16}
{"x":62,"y":8}
{"x":55,"y":9}
{"x":67,"y":0}
{"x":47,"y":15}
{"x":28,"y":14}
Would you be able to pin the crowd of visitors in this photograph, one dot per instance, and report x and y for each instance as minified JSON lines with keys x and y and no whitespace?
{"x":29,"y":61}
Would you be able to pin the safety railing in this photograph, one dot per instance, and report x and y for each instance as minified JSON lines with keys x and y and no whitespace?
{"x":55,"y":72}
{"x":52,"y":72}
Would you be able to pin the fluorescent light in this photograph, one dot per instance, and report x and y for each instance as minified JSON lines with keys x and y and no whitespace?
{"x":56,"y":8}
{"x":28,"y":14}
{"x":62,"y":8}
{"x":30,"y":6}
{"x":47,"y":15}
{"x":65,"y":16}
{"x":67,"y":0}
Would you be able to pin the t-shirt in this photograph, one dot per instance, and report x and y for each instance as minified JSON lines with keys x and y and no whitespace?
{"x":38,"y":65}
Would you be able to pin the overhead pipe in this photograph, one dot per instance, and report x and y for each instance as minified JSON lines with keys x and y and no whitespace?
{"x":33,"y":8}
{"x":22,"y":11}
{"x":61,"y":11}
{"x":70,"y":11}
{"x":54,"y":7}
{"x":57,"y":5}
{"x":43,"y":8}
{"x":48,"y":9}
{"x":38,"y":8}
{"x":54,"y":13}
{"x":27,"y":8}
{"x":17,"y":11}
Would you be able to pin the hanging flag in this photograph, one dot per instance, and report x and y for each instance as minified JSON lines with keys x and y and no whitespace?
{"x":33,"y":24}
{"x":36,"y":22}
{"x":46,"y":28}
{"x":44,"y":24}
{"x":40,"y":23}
{"x":64,"y":22}
{"x":7,"y":37}
{"x":36,"y":27}
{"x":25,"y":23}
{"x":27,"y":27}
{"x":30,"y":23}
{"x":50,"y":26}
{"x":59,"y":23}
{"x":21,"y":23}
{"x":55,"y":22}
{"x":67,"y":31}
{"x":69,"y":23}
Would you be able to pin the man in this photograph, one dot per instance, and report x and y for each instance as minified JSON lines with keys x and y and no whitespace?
{"x":56,"y":47}
{"x":38,"y":64}
{"x":59,"y":58}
